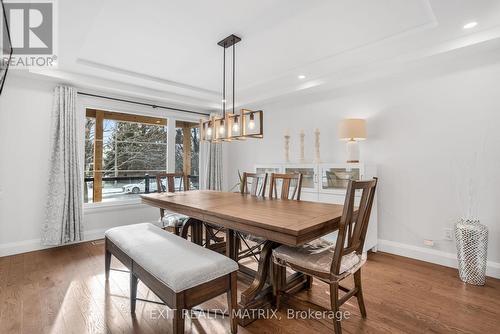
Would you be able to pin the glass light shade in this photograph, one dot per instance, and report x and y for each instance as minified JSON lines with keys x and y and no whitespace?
{"x":236,"y":127}
{"x":221,"y":129}
{"x":252,"y":123}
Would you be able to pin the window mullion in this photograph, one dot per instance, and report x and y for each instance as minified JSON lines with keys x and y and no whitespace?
{"x":98,"y":152}
{"x":170,"y":145}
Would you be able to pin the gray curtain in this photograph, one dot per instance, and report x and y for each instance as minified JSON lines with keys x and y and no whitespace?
{"x":63,"y":222}
{"x":213,"y":168}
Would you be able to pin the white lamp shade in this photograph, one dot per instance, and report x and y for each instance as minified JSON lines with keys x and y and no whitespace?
{"x":352,"y":129}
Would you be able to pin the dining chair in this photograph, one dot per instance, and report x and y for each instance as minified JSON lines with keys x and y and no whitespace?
{"x":289,"y":189}
{"x":173,"y":182}
{"x":333,"y":262}
{"x":291,"y":186}
{"x":253,"y":184}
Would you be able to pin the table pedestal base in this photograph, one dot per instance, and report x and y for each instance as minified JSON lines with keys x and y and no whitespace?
{"x":258,"y":298}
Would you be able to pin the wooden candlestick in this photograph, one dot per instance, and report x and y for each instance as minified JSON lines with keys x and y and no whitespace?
{"x":302,"y":135}
{"x":287,"y":146}
{"x":317,"y":158}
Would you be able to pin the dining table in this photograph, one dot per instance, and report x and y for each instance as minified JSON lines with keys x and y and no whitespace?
{"x":277,"y":221}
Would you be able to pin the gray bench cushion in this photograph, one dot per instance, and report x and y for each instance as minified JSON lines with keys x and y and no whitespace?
{"x":178,"y":263}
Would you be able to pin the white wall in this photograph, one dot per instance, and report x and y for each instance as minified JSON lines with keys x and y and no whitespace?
{"x":24,"y":135}
{"x":429,"y":137}
{"x":25,"y":108}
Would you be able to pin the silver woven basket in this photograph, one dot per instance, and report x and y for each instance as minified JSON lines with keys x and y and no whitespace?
{"x":472,"y":248}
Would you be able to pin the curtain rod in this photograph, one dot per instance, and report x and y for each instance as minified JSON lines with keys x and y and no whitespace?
{"x":154,"y":106}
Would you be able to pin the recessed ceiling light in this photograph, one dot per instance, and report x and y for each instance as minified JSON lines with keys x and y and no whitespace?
{"x":301,"y":76}
{"x":470,"y":25}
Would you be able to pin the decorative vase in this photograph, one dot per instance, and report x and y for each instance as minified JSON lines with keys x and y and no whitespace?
{"x":472,"y":250}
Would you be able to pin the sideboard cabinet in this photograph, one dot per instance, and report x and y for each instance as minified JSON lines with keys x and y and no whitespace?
{"x":327,"y":183}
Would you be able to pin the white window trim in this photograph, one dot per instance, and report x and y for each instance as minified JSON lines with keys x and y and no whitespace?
{"x":86,"y":102}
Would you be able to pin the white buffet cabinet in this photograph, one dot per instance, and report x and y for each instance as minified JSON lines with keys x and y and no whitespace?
{"x":327,"y":183}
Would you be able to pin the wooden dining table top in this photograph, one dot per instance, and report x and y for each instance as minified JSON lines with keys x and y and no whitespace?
{"x":288,"y":222}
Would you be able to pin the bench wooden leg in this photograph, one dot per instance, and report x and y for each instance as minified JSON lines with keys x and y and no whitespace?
{"x":107,"y":263}
{"x":232,"y":302}
{"x":178,"y":321}
{"x":133,"y":292}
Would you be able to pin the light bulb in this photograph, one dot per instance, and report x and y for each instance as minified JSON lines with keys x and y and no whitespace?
{"x":209,"y":131}
{"x":251,"y":124}
{"x":222,"y":129}
{"x":236,"y":127}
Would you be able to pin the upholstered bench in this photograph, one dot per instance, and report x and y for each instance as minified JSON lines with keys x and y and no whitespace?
{"x":181,"y":273}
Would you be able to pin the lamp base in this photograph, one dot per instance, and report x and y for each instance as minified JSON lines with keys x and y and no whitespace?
{"x":352,"y":151}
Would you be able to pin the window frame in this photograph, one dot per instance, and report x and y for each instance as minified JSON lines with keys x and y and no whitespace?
{"x":169,"y":118}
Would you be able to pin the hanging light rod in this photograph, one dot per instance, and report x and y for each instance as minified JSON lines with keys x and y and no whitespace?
{"x":154,"y":106}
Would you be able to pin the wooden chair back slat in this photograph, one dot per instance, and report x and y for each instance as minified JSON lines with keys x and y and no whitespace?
{"x":287,"y":182}
{"x":257,"y":181}
{"x":353,"y":227}
{"x":170,"y":181}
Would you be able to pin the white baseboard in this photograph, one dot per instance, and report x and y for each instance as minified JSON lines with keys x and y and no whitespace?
{"x":25,"y":246}
{"x":431,"y":255}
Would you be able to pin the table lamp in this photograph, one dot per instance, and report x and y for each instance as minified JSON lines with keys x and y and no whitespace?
{"x":352,"y":130}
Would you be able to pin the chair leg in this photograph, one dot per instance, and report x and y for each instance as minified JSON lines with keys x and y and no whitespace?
{"x":133,"y":291}
{"x":309,"y":282}
{"x":334,"y":298}
{"x":178,"y":321}
{"x":107,"y":263}
{"x":279,"y":282}
{"x":359,"y":294}
{"x":208,"y":235}
{"x":232,"y":301}
{"x":238,"y":247}
{"x":275,"y":282}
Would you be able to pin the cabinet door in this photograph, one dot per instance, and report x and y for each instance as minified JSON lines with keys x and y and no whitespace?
{"x":309,"y":176}
{"x":334,"y":178}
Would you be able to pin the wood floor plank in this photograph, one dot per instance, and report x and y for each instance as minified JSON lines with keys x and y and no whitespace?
{"x":11,"y":299}
{"x":63,"y":290}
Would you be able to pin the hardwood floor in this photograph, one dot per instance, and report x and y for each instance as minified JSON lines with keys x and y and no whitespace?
{"x":63,"y":290}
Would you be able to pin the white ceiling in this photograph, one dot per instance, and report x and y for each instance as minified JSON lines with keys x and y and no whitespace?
{"x":167,"y":49}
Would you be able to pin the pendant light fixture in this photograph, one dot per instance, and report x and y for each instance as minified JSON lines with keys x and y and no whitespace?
{"x":230,"y":126}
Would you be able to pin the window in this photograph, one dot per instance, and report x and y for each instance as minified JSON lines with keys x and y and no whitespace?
{"x":187,"y":151}
{"x":124,"y":152}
